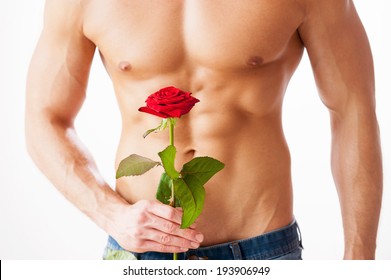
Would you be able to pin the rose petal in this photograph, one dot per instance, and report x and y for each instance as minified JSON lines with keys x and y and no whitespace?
{"x":150,"y":111}
{"x":175,"y":113}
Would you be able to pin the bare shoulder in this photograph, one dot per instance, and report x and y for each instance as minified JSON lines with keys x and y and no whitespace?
{"x":64,"y":15}
{"x":325,"y":8}
{"x":64,"y":28}
{"x":328,"y":20}
{"x":325,"y":19}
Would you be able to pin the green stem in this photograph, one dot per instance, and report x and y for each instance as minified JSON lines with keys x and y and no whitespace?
{"x":172,"y":202}
{"x":171,"y":125}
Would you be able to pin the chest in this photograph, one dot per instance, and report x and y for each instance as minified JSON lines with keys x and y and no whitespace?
{"x":159,"y":36}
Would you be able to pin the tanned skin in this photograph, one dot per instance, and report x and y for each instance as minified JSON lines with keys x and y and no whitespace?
{"x":237,"y":57}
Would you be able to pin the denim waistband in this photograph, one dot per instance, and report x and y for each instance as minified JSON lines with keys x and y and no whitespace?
{"x":269,"y":245}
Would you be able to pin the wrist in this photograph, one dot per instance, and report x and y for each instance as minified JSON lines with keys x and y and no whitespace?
{"x":108,"y":209}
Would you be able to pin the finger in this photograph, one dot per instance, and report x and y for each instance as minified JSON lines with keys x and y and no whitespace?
{"x":170,"y":240}
{"x":166,"y":212}
{"x":171,"y":228}
{"x":173,"y":214}
{"x":193,"y":226}
{"x":152,"y":246}
{"x":180,"y":210}
{"x":180,"y":213}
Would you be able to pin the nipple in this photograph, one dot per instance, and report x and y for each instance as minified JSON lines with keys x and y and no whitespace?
{"x":124,"y":66}
{"x":255,"y":61}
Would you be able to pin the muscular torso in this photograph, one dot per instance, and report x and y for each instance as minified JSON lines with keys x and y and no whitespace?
{"x":236,"y":57}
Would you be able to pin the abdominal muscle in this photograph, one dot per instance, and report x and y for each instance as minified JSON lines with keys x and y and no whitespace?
{"x":240,"y":127}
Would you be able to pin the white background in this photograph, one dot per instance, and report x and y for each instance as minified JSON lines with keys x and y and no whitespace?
{"x":36,"y":222}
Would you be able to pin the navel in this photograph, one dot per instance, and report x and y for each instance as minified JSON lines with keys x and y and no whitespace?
{"x":189,"y":154}
{"x":124,"y":66}
{"x":255,"y":61}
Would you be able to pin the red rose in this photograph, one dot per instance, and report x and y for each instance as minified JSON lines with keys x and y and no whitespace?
{"x":169,"y":102}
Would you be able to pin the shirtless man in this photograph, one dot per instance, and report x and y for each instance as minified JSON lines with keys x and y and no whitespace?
{"x":237,"y":57}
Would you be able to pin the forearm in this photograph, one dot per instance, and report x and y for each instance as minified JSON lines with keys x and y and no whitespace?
{"x":57,"y":151}
{"x":357,"y":170}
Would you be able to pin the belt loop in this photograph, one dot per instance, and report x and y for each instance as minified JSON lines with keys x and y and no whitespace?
{"x":299,"y":233}
{"x":236,"y":251}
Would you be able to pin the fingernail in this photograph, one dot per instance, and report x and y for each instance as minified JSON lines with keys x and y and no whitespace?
{"x":199,"y":237}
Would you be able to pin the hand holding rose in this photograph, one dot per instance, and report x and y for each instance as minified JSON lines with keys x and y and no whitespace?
{"x":152,"y":226}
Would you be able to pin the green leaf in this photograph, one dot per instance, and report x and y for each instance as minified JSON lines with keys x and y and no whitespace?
{"x":135,"y":165}
{"x":162,"y":126}
{"x":198,"y":192}
{"x":168,"y":158}
{"x":203,"y":168}
{"x":163,"y":193}
{"x":112,"y":254}
{"x":187,"y":201}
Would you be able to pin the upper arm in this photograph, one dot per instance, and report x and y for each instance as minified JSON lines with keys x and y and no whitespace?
{"x":59,"y":69}
{"x":340,"y":55}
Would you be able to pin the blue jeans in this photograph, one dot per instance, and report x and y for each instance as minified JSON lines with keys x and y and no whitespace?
{"x":281,"y":244}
